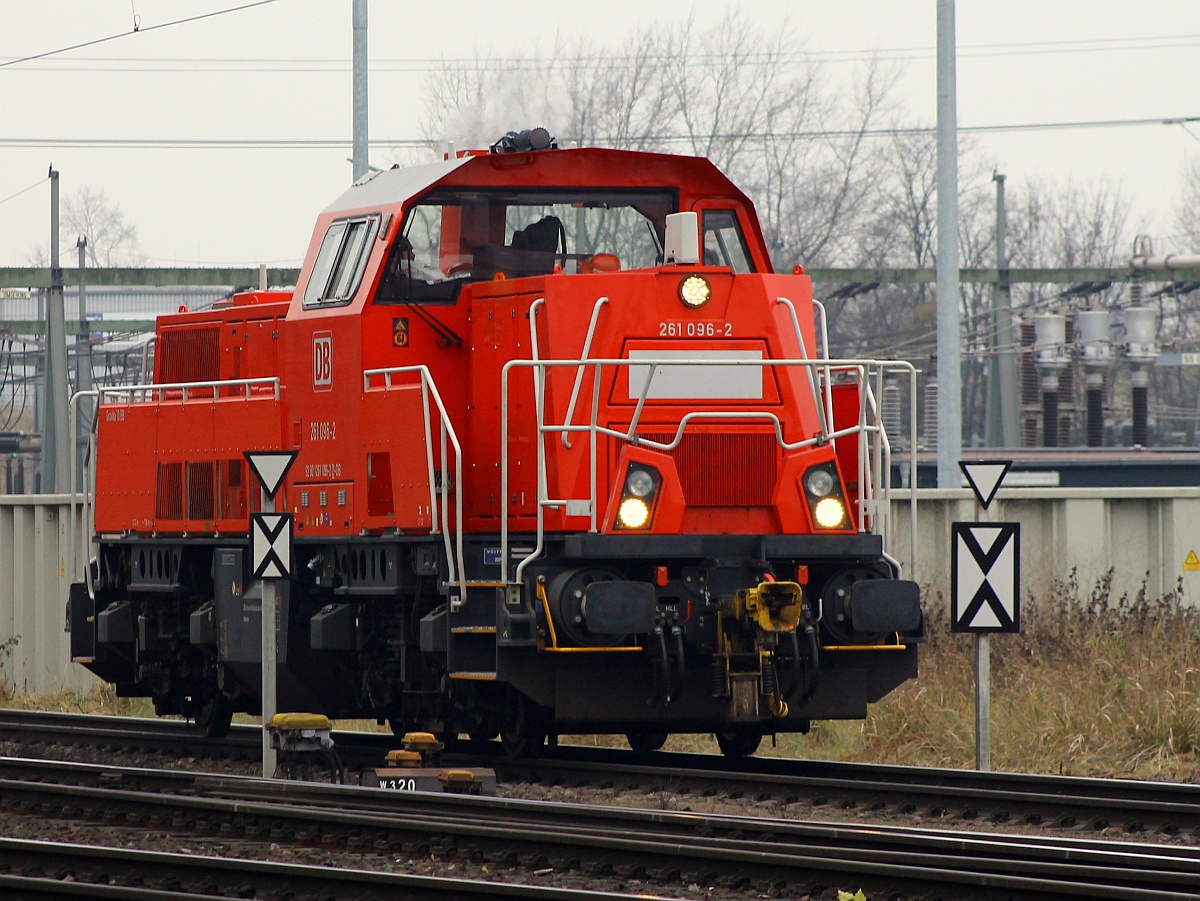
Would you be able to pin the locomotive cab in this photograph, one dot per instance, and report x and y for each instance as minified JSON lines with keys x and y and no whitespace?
{"x":571,"y":458}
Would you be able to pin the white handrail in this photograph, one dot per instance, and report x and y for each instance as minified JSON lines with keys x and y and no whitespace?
{"x":587,"y":349}
{"x":132,"y":394}
{"x":826,"y":422}
{"x":85,"y":531}
{"x":454,"y":553}
{"x":824,"y":352}
{"x":151,"y":344}
{"x":152,"y":393}
{"x":874,"y":447}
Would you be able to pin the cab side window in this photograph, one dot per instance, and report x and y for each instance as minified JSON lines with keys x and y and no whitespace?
{"x":340,"y":261}
{"x":724,"y":244}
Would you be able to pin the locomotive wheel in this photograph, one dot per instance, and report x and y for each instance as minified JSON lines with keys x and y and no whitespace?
{"x":645,"y":742}
{"x":523,"y":732}
{"x":215,"y":716}
{"x":738,"y":744}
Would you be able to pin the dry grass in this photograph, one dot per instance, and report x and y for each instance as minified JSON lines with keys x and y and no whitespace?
{"x":102,"y":700}
{"x":1089,"y":687}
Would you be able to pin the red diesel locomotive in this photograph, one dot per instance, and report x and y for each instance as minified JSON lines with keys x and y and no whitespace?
{"x":569,"y":460}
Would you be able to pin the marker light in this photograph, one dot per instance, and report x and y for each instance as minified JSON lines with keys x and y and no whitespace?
{"x":829,"y":513}
{"x":633,"y":513}
{"x":695,"y":291}
{"x":819,"y":482}
{"x":640,"y":483}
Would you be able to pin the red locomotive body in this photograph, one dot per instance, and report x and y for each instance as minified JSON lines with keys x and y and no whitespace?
{"x":567,"y":461}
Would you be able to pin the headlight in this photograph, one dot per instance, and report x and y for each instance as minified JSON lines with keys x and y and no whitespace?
{"x":640,"y":483}
{"x":695,"y":291}
{"x":633,"y":513}
{"x":639,"y":494}
{"x":822,"y":490}
{"x":829,"y":513}
{"x":819,"y":482}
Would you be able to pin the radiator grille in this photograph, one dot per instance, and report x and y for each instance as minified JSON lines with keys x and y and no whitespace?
{"x":170,"y":491}
{"x":189,"y":354}
{"x":723,"y":469}
{"x":200,"y":490}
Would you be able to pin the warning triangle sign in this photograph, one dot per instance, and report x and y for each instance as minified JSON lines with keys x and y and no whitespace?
{"x":1191,"y":562}
{"x":270,"y":467}
{"x":984,"y":477}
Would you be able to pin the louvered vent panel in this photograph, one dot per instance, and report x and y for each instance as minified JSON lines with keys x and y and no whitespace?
{"x":170,"y":491}
{"x":722,"y":469}
{"x":189,"y":354}
{"x":200,"y":491}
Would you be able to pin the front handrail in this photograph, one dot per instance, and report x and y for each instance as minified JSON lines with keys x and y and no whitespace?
{"x":874,"y":448}
{"x":826,"y":421}
{"x":454,"y":551}
{"x":822,"y":351}
{"x":587,"y":349}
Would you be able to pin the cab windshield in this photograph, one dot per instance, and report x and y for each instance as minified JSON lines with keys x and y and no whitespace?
{"x":452,"y":237}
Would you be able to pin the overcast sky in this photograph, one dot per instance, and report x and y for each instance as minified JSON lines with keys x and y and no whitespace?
{"x":281,"y":70}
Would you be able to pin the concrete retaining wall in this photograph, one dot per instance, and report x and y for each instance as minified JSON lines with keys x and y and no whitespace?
{"x":35,"y":571}
{"x":1143,"y":535}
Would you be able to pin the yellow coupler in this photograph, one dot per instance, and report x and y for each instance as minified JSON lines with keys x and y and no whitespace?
{"x":417,"y":768}
{"x":772,"y":606}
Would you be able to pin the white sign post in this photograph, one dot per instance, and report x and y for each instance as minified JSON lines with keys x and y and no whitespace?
{"x":985,"y":588}
{"x":271,"y":559}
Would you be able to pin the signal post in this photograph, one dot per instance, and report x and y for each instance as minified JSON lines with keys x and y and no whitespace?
{"x":271,"y":559}
{"x":985,"y":588}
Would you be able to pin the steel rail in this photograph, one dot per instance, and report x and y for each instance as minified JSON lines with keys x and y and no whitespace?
{"x":728,"y":847}
{"x":1134,"y":807}
{"x":163,"y":876}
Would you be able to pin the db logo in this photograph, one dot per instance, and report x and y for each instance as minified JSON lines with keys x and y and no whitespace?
{"x":323,"y":361}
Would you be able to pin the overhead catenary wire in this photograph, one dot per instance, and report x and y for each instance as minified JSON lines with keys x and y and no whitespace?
{"x":664,"y":138}
{"x":24,"y":190}
{"x":137,"y":29}
{"x":421,"y":65}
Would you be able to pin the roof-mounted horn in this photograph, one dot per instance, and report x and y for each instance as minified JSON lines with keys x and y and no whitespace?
{"x":522,"y":141}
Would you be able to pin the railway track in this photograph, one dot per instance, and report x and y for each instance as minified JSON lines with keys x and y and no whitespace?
{"x":1146,"y":810}
{"x":566,"y":843}
{"x":1150,"y":810}
{"x":47,"y":871}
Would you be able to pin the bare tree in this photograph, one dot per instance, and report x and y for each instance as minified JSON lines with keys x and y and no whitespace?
{"x":733,"y":92}
{"x":838,"y":177}
{"x":111,"y":240}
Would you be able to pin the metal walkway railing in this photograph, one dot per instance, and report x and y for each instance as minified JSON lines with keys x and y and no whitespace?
{"x":820,"y":374}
